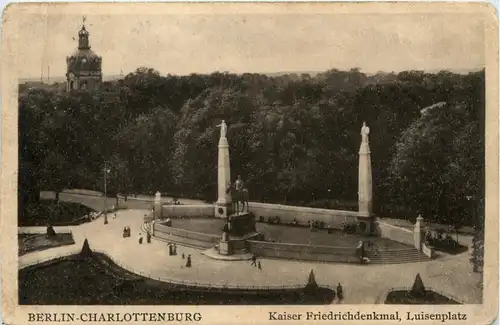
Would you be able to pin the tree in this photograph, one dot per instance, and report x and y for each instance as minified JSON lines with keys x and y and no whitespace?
{"x":436,"y":163}
{"x":86,"y":252}
{"x":418,"y":288}
{"x":290,"y":136}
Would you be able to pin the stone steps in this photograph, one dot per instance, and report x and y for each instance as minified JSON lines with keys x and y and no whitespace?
{"x":188,"y":242}
{"x":146,"y":227}
{"x":397,"y":256}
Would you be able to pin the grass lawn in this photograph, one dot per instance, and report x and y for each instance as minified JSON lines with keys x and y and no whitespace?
{"x":404,"y":297}
{"x":44,"y":212}
{"x":28,"y":243}
{"x":99,"y":282}
{"x":288,"y":234}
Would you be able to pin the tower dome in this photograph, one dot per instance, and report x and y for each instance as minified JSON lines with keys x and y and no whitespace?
{"x":84,"y":69}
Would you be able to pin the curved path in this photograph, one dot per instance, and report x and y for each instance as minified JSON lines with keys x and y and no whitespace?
{"x":451,"y":275}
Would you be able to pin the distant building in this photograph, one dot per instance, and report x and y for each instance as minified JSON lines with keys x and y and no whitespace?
{"x":83,"y":66}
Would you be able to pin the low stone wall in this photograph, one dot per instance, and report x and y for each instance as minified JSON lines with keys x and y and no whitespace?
{"x":186,"y":237}
{"x":302,"y":214}
{"x":428,"y":251}
{"x":395,"y":233}
{"x":42,"y":230}
{"x":83,"y":192}
{"x":303,"y":252}
{"x":202,"y":210}
{"x":286,"y":213}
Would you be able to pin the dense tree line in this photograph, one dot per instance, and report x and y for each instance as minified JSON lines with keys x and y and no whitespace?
{"x":293,"y":138}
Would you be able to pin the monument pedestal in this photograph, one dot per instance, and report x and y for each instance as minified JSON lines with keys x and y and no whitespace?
{"x":233,"y":245}
{"x":239,"y":229}
{"x":241,"y":224}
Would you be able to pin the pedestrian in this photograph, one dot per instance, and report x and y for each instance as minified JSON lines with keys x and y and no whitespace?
{"x":254,"y":260}
{"x":183,"y":256}
{"x":188,"y":261}
{"x":340,"y":292}
{"x":259,"y":265}
{"x":170,"y":250}
{"x":174,"y":249}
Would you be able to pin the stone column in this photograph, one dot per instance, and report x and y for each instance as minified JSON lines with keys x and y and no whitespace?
{"x":365,"y":215}
{"x":223,"y":179}
{"x":419,"y":233}
{"x":365,"y":175}
{"x":157,"y":212}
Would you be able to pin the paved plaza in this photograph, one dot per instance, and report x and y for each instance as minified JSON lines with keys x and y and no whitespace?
{"x":288,"y":234}
{"x":451,"y":275}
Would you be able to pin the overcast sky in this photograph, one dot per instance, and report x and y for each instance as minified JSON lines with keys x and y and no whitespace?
{"x":203,"y":43}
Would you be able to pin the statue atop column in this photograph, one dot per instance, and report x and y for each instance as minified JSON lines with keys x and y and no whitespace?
{"x":223,"y":129}
{"x":365,"y":131}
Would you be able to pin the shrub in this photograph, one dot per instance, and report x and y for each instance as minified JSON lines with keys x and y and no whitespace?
{"x":50,"y":231}
{"x":418,"y":289}
{"x":349,"y":228}
{"x":448,"y":244}
{"x":86,"y":252}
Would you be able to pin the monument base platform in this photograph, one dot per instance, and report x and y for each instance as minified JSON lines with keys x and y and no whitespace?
{"x":214,"y":254}
{"x":231,"y":245}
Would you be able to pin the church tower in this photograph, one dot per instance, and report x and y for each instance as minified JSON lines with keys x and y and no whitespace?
{"x":83,"y":65}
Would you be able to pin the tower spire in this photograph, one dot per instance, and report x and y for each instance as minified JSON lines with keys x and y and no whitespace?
{"x":83,"y":37}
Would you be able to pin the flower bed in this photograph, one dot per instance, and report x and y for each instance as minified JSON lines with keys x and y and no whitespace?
{"x":406,"y":297}
{"x":29,"y":243}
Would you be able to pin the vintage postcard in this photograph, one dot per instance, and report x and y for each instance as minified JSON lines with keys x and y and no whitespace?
{"x":249,"y":163}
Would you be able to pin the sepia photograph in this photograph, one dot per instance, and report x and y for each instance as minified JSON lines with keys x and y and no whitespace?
{"x":285,"y":155}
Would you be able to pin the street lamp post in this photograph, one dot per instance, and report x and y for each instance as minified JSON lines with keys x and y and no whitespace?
{"x":106,"y":171}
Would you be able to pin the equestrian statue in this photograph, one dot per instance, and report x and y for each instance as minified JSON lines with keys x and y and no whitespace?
{"x":239,"y":194}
